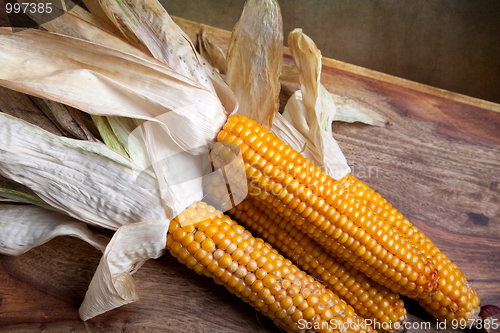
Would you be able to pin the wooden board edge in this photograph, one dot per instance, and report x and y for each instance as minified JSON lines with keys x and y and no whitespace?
{"x":371,"y":74}
{"x":405,"y":83}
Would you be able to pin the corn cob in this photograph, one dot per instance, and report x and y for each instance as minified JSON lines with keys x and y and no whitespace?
{"x":212,"y":244}
{"x":317,"y":205}
{"x":369,"y":299}
{"x":454,"y":298}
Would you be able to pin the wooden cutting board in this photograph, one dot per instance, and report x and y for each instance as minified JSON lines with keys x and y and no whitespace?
{"x":438,"y":162}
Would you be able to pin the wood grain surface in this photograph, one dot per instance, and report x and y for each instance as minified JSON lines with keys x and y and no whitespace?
{"x":438,"y":162}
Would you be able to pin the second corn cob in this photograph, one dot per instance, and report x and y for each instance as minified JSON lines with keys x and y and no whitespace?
{"x":212,"y":244}
{"x":454,"y":298}
{"x":370,"y":300}
{"x":319,"y":206}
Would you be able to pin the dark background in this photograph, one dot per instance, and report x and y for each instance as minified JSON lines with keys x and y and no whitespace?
{"x":449,"y":44}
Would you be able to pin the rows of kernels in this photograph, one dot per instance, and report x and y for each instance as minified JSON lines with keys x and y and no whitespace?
{"x":386,"y":212}
{"x":252,"y":269}
{"x":454,"y":297}
{"x":337,"y":249}
{"x":332,"y":212}
{"x":351,"y":285}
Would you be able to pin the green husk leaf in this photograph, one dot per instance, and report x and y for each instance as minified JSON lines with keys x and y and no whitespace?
{"x":108,"y":135}
{"x":87,"y":180}
{"x":25,"y":227}
{"x":22,"y":197}
{"x":123,"y":128}
{"x":254,"y":60}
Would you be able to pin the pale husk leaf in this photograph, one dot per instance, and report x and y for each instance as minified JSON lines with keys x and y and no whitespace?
{"x":179,"y":172}
{"x":211,"y":52}
{"x":122,"y":127}
{"x":60,"y":8}
{"x":254,"y":60}
{"x":311,"y":110}
{"x":346,"y":109}
{"x":286,"y":128}
{"x":131,"y":246}
{"x":96,"y":10}
{"x":283,"y":129}
{"x":289,"y":73}
{"x":350,"y":111}
{"x":87,"y":180}
{"x":23,"y":227}
{"x":72,"y":25}
{"x":120,"y":84}
{"x":150,"y":23}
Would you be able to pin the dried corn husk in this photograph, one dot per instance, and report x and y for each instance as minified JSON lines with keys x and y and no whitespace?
{"x":120,"y":85}
{"x":310,"y":111}
{"x":211,"y":52}
{"x":71,"y":25}
{"x":95,"y":17}
{"x":350,"y":111}
{"x":23,"y":227}
{"x":61,"y":117}
{"x":96,"y":11}
{"x":346,"y":109}
{"x":87,"y":180}
{"x":289,"y":73}
{"x":150,"y":23}
{"x":131,"y":246}
{"x":254,"y":60}
{"x":92,"y":183}
{"x":22,"y":106}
